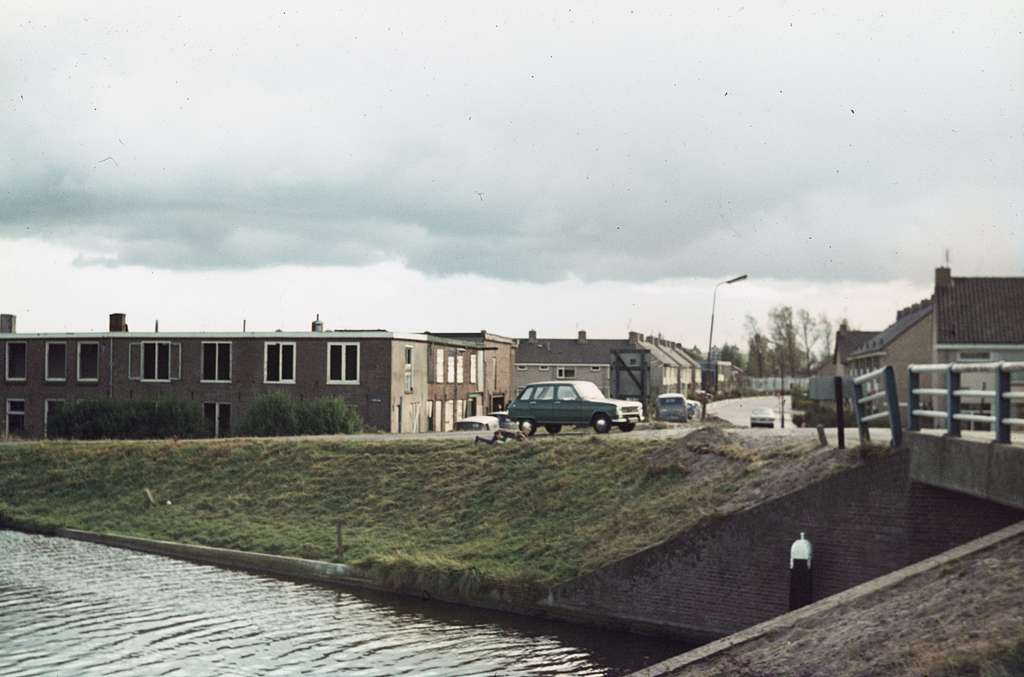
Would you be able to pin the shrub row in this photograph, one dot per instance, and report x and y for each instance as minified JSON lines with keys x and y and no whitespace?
{"x":269,"y":416}
{"x":127,"y":419}
{"x":276,"y":414}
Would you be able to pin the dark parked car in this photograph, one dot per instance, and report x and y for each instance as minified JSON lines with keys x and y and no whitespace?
{"x":557,"y":403}
{"x":671,"y":407}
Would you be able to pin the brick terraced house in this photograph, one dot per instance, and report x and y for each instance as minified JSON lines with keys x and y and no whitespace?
{"x":382,"y":374}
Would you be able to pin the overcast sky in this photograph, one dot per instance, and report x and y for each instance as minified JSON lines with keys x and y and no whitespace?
{"x":469,"y":165}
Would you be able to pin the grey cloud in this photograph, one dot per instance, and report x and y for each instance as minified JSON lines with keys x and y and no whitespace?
{"x":603,"y":144}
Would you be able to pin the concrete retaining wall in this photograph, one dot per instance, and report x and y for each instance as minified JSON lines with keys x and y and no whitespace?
{"x":988,"y":470}
{"x":734,"y":572}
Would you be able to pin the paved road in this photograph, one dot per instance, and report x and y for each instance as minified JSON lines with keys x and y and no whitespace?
{"x":737,"y":411}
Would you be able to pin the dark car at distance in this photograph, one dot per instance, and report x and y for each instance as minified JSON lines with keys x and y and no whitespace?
{"x":554,"y":404}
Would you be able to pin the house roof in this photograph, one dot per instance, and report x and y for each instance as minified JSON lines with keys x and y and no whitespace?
{"x":905,"y":319}
{"x":975,"y":310}
{"x":848,"y":341}
{"x":569,"y":351}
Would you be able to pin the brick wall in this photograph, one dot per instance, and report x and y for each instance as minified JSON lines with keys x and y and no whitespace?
{"x":733,"y":573}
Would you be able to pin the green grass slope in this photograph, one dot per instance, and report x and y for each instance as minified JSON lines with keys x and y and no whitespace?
{"x":517,"y":515}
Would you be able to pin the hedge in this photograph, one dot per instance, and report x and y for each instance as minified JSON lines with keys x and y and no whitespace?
{"x":276,"y":414}
{"x":127,"y":419}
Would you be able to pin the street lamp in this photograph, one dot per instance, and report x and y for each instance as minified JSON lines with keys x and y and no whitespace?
{"x":711,"y":333}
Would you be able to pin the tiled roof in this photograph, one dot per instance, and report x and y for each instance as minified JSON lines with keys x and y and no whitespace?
{"x":904,"y":321}
{"x":981,"y":310}
{"x":849,"y":341}
{"x":569,"y":351}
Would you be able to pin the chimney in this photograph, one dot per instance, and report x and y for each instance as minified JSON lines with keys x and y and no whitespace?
{"x":581,"y":337}
{"x":943,"y":277}
{"x":635,"y":337}
{"x":118,"y":323}
{"x":318,"y":326}
{"x":8,"y":324}
{"x":533,"y":336}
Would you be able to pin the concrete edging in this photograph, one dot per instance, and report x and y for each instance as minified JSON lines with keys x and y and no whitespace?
{"x":856,"y":593}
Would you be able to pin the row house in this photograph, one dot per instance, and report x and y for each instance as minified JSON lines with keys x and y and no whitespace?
{"x":468,"y":374}
{"x":383,"y":374}
{"x":638,"y":367}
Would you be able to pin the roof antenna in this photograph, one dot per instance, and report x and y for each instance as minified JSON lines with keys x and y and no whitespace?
{"x":947,"y":258}
{"x":243,"y":325}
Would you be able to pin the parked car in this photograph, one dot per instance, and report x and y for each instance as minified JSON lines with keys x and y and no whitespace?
{"x":505,"y":421}
{"x":671,"y":407}
{"x":553,"y":404}
{"x":477,"y":423}
{"x":693,"y":409}
{"x":762,"y":418}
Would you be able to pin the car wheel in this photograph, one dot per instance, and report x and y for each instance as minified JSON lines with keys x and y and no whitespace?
{"x":527,"y":427}
{"x":627,"y":427}
{"x":601,"y":423}
{"x":553,"y":428}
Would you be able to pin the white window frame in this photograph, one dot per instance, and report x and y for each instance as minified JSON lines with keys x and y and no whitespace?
{"x":520,"y":367}
{"x":473,"y":373}
{"x":78,"y":362}
{"x":216,"y":416}
{"x":172,"y":374}
{"x":544,"y":367}
{"x":344,"y":348}
{"x":560,"y":372}
{"x":46,"y":414}
{"x":439,"y":366}
{"x":460,"y":366}
{"x":7,"y":363}
{"x":595,"y":368}
{"x":408,"y":358}
{"x":216,"y":361}
{"x":7,"y":414}
{"x":451,"y":369}
{"x":280,"y":360}
{"x":971,"y":356}
{"x":46,"y":362}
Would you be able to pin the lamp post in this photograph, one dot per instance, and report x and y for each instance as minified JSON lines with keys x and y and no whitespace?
{"x":711,"y":334}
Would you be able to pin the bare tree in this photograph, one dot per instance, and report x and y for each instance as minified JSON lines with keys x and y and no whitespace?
{"x":809,"y":335}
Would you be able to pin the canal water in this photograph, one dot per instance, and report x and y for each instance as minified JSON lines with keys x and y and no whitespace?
{"x":74,"y":608}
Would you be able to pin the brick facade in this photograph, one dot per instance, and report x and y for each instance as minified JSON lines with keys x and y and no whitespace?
{"x":716,"y":579}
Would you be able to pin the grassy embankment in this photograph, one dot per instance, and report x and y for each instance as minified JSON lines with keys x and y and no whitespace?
{"x":520,"y":516}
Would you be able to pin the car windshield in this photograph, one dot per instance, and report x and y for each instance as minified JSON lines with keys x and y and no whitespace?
{"x":670,"y":401}
{"x":763,"y":412}
{"x":589,"y":391}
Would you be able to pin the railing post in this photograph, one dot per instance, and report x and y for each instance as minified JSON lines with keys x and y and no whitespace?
{"x":892,"y":401}
{"x":952,"y":402}
{"x":1001,"y":405}
{"x":914,"y":382}
{"x":858,"y":408}
{"x":840,"y":414}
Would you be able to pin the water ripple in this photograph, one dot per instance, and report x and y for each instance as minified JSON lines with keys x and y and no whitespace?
{"x":68,"y":607}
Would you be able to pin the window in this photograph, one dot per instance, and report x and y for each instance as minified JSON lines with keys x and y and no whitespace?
{"x":451,"y":369}
{"x":544,"y":367}
{"x":567,"y":393}
{"x":565,"y":372}
{"x":975,"y":356}
{"x":520,"y":367}
{"x":218,"y":418}
{"x":56,"y":361}
{"x":526,"y":393}
{"x":408,"y":369}
{"x":343,"y":363}
{"x":16,"y":361}
{"x":154,"y":361}
{"x":439,"y":366}
{"x":50,"y":409}
{"x":279,"y":362}
{"x":544,"y":393}
{"x":460,"y":361}
{"x":15,"y":424}
{"x":88,"y":362}
{"x":216,"y":363}
{"x":595,"y":368}
{"x":472,"y":368}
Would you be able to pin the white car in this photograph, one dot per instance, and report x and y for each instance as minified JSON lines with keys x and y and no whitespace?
{"x":762,"y":418}
{"x":477,"y":423}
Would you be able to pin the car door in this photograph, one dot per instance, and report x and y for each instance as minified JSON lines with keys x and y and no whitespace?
{"x":543,"y":404}
{"x":570,"y":408}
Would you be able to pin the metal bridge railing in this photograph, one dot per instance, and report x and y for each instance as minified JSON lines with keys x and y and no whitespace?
{"x":886,"y":379}
{"x":1002,"y":397}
